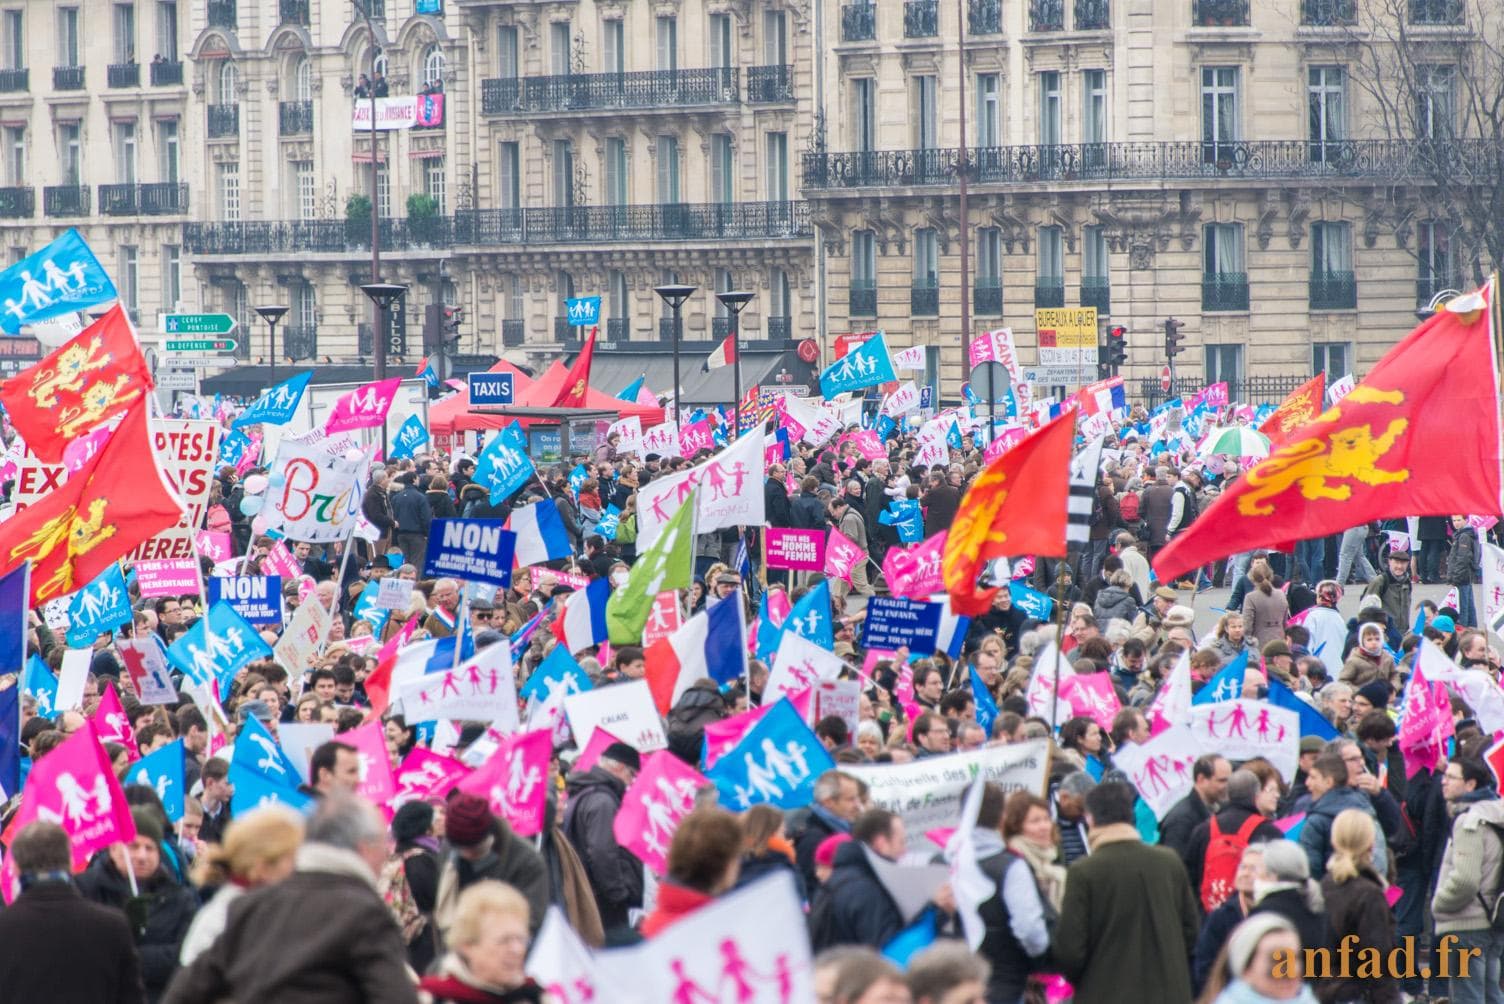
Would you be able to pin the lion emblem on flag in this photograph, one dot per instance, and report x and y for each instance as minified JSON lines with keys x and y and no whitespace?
{"x":69,"y":373}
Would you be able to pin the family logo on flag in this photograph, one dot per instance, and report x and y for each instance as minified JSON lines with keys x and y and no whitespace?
{"x":277,"y":405}
{"x":412,"y":435}
{"x":504,"y":465}
{"x":512,"y":780}
{"x":217,"y":646}
{"x":364,"y":407}
{"x":62,"y":278}
{"x":75,"y":787}
{"x":775,"y":763}
{"x":662,"y":794}
{"x":101,"y":606}
{"x":865,"y":366}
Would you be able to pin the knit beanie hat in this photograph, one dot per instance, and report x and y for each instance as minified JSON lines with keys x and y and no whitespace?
{"x":1376,"y":692}
{"x":1246,"y":937}
{"x":468,"y":820}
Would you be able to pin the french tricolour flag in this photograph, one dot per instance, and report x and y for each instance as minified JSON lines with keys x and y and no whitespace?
{"x":540,"y":534}
{"x":724,"y":355}
{"x":1104,"y":395}
{"x":712,"y":643}
{"x":583,"y":620}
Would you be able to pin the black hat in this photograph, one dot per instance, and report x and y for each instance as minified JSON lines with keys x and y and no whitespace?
{"x":624,"y":755}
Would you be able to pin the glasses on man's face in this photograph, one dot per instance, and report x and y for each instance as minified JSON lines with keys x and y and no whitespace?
{"x":1454,"y":778}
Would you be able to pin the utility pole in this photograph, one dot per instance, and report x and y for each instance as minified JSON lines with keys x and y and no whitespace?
{"x":378,"y":313}
{"x":963,"y":168}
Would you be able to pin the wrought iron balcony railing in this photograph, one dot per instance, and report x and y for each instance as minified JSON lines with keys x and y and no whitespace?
{"x":162,"y":198}
{"x":1049,"y":293}
{"x":166,"y":74}
{"x":1427,"y":286}
{"x":921,"y":18}
{"x":1096,"y":291}
{"x":858,"y":22}
{"x":15,"y":80}
{"x":223,"y":120}
{"x":618,"y":329}
{"x":123,"y":75}
{"x":299,"y":341}
{"x":778,"y":329}
{"x":67,"y":78}
{"x":18,"y":202}
{"x":1333,"y":290}
{"x":1224,"y":291}
{"x":984,"y":17}
{"x":717,"y":85}
{"x":1220,"y":13}
{"x":1328,"y":13}
{"x":65,"y":200}
{"x":862,"y":298}
{"x":924,"y":299}
{"x":987,"y":297}
{"x":770,"y":84}
{"x":294,"y":118}
{"x":513,"y":332}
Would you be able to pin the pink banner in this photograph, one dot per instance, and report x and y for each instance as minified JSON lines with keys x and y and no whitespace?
{"x":376,"y":783}
{"x":249,"y":455}
{"x":801,"y":550}
{"x":914,"y":572}
{"x":74,"y":787}
{"x":696,"y":437}
{"x":721,"y":736}
{"x":841,"y":555}
{"x":599,"y":740}
{"x":571,"y":579}
{"x":515,"y":780}
{"x":279,"y":561}
{"x":867,"y":444}
{"x":424,"y":774}
{"x":1003,"y":442}
{"x":364,"y":407}
{"x":216,"y":547}
{"x":662,"y":795}
{"x":112,"y":724}
{"x":983,"y":349}
{"x":1091,"y":696}
{"x":772,"y":452}
{"x":167,"y":578}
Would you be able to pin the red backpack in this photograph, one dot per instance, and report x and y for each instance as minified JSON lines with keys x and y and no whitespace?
{"x":1223,"y":852}
{"x":1128,"y":508}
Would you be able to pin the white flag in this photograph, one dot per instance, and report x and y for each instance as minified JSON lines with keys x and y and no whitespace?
{"x":731,"y":492}
{"x":630,"y":431}
{"x":480,"y":689}
{"x":799,"y":663}
{"x":1050,"y":670}
{"x":911,"y":358}
{"x":1493,"y":587}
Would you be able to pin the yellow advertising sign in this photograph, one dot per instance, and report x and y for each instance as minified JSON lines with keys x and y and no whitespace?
{"x":1066,"y":327}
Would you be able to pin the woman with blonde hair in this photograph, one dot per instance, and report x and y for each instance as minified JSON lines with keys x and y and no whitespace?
{"x":1357,"y":908}
{"x":488,"y":947}
{"x":258,"y":850}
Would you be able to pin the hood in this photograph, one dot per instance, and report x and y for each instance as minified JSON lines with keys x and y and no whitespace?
{"x":1340,"y":799}
{"x":594,"y":778}
{"x":1489,"y":808}
{"x":1110,"y":595}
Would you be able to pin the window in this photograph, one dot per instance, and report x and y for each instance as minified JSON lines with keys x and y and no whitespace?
{"x":780,"y":299}
{"x":229,"y":192}
{"x":616,"y":285}
{"x":722,"y":44}
{"x":1326,"y":100}
{"x":509,"y":175}
{"x":864,"y":112}
{"x":508,"y":61}
{"x":722,"y":168}
{"x":1333,"y":286}
{"x":168,"y":153}
{"x":863,"y":292}
{"x":668,"y":169}
{"x":988,"y":116}
{"x":616,"y":172}
{"x":1332,"y":358}
{"x":172,"y":276}
{"x":564,"y":282}
{"x":1435,"y":101}
{"x":1225,"y":362}
{"x":1049,"y":108}
{"x":306,"y":306}
{"x":667,"y":36}
{"x":925,"y":118}
{"x":434,"y":181}
{"x":13,"y":38}
{"x":67,"y":36}
{"x":926,"y":258}
{"x":563,"y":173}
{"x":70,"y":151}
{"x":1096,"y":283}
{"x":305,"y":189}
{"x":614,"y":47}
{"x":383,"y":191}
{"x":1437,"y":271}
{"x":722,"y":284}
{"x":238,"y":304}
{"x":1094,"y":106}
{"x":302,"y":79}
{"x":125,"y":33}
{"x":433,"y":67}
{"x":1049,"y":281}
{"x":1224,"y":279}
{"x":15,"y":155}
{"x":130,"y":279}
{"x":512,"y":301}
{"x":778,"y":166}
{"x":125,"y":153}
{"x":229,"y":84}
{"x":560,"y":48}
{"x":989,"y":291}
{"x":775,"y":50}
{"x":167,"y":30}
{"x":1219,"y":112}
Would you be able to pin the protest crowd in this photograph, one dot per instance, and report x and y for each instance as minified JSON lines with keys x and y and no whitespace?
{"x":849,"y":704}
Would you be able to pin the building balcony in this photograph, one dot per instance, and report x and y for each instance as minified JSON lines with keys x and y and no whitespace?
{"x":294,"y":118}
{"x":513,"y":333}
{"x":293,"y":12}
{"x":1334,"y":291}
{"x":987,"y":297}
{"x":1096,"y":291}
{"x":1328,"y":13}
{"x":223,"y":120}
{"x":1390,"y":160}
{"x":858,"y":22}
{"x":67,"y":78}
{"x":1049,"y":293}
{"x":618,"y":329}
{"x":1438,"y":13}
{"x":15,"y":80}
{"x":123,"y":75}
{"x":292,"y":237}
{"x":1046,"y":15}
{"x":166,"y":74}
{"x":18,"y":202}
{"x":778,"y":329}
{"x":162,"y":198}
{"x":660,"y":222}
{"x":768,"y":85}
{"x":667,"y":329}
{"x":65,"y":200}
{"x":1427,"y":286}
{"x":1220,"y":13}
{"x":720,"y":328}
{"x":299,"y":341}
{"x":984,"y":17}
{"x":222,"y":14}
{"x":1224,"y":291}
{"x":610,"y":91}
{"x":924,"y":299}
{"x":862,"y":298}
{"x":921,"y":18}
{"x":1092,"y":15}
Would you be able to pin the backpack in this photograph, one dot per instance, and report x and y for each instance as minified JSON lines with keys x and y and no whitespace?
{"x":1128,"y":507}
{"x":398,"y":896}
{"x":1223,"y":852}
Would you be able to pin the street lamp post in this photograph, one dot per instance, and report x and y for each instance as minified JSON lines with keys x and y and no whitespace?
{"x":271,"y":314}
{"x":674,"y":296}
{"x":734,"y":301}
{"x":382,"y":294}
{"x":364,"y":8}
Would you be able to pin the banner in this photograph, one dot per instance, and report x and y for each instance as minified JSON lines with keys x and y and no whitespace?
{"x":103,"y":605}
{"x":731,"y":494}
{"x":319,"y":497}
{"x":481,"y":689}
{"x":257,"y":598}
{"x":477,"y":550}
{"x":915,"y":572}
{"x":167,"y":578}
{"x":775,"y":763}
{"x":864,"y":366}
{"x":1242,"y":730}
{"x":1493,"y":587}
{"x":1161,"y":768}
{"x":186,"y":452}
{"x":662,"y":794}
{"x":276,"y":405}
{"x":801,"y":550}
{"x":217,"y":547}
{"x":421,"y":111}
{"x":301,"y":638}
{"x":147,"y":668}
{"x":514,"y":780}
{"x":62,"y":278}
{"x":504,"y":465}
{"x":412,"y":435}
{"x":364,"y":407}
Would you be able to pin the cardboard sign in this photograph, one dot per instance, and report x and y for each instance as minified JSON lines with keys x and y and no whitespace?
{"x":893,"y":623}
{"x":174,"y":577}
{"x":841,"y":698}
{"x":147,"y":668}
{"x":393,"y":594}
{"x":301,"y":639}
{"x":538,"y":576}
{"x":626,"y":709}
{"x":257,"y":598}
{"x":186,"y":452}
{"x":801,"y":550}
{"x":476,"y":550}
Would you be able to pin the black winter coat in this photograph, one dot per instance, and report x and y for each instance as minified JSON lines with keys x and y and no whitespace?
{"x":61,"y":947}
{"x":411,"y":510}
{"x":1229,"y":821}
{"x":1180,"y":822}
{"x":853,"y":907}
{"x":440,"y":504}
{"x":169,"y":910}
{"x":615,"y":875}
{"x":1463,"y":557}
{"x":1291,"y":905}
{"x":779,"y":510}
{"x":807,"y":512}
{"x":1358,"y":907}
{"x":807,"y":839}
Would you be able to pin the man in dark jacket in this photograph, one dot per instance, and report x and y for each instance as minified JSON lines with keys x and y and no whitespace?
{"x":320,"y":936}
{"x":376,"y":506}
{"x":776,"y":497}
{"x":1154,"y":508}
{"x":837,"y":803}
{"x":805,"y":509}
{"x":594,"y":799}
{"x":1129,"y":918}
{"x":1243,"y":788}
{"x":58,"y":946}
{"x":413,"y":516}
{"x":485,"y":847}
{"x":941,"y":501}
{"x":1331,"y":795}
{"x":853,"y":907}
{"x":1208,"y":789}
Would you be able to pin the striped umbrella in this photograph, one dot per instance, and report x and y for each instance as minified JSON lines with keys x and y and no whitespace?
{"x":1234,"y":441}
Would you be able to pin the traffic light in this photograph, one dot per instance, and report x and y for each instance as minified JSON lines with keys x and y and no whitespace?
{"x":452,"y":318}
{"x":1173,"y":338}
{"x":1117,"y":345}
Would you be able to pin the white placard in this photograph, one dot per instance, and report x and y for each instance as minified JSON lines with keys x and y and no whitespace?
{"x":71,"y":679}
{"x":393,"y":593}
{"x":626,"y":710}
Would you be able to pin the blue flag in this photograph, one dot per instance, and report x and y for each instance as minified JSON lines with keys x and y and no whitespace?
{"x":768,"y":633}
{"x":103,"y":605}
{"x":412,"y":435}
{"x":631,"y":390}
{"x":504,"y":465}
{"x":1031,"y":601}
{"x":253,"y":790}
{"x":428,"y":373}
{"x":1312,"y":723}
{"x":217,"y":646}
{"x":10,"y":741}
{"x":162,"y":772}
{"x":1227,"y":685}
{"x":775,"y":763}
{"x":62,"y":278}
{"x":577,"y":478}
{"x":610,"y":522}
{"x":257,"y":752}
{"x":232,"y":447}
{"x":41,"y":684}
{"x":986,"y":706}
{"x":15,"y":598}
{"x":867,"y":365}
{"x":913,"y":939}
{"x":277,"y":405}
{"x":583,"y":311}
{"x":810,"y":618}
{"x":558,"y":670}
{"x":906,"y":518}
{"x":365,"y":608}
{"x":884,"y":427}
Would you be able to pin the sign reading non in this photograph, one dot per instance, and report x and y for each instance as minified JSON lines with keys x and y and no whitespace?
{"x":477,"y":550}
{"x":490,"y":388}
{"x":257,"y":598}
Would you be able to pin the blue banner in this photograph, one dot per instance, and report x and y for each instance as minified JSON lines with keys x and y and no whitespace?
{"x":583,"y":311}
{"x":217,"y":646}
{"x":1226,"y":685}
{"x":257,"y":598}
{"x":504,"y":465}
{"x":412,"y":435}
{"x":476,"y":550}
{"x":906,"y":517}
{"x":277,"y":405}
{"x":559,"y":671}
{"x":865,"y":366}
{"x":1031,"y":601}
{"x":41,"y":684}
{"x":365,"y":608}
{"x":895,"y":622}
{"x":103,"y":605}
{"x":775,"y":763}
{"x":610,"y":522}
{"x":62,"y":278}
{"x":163,"y":773}
{"x":232,"y":447}
{"x":253,"y":791}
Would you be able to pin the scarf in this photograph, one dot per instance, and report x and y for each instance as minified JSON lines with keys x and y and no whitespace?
{"x":1043,"y":861}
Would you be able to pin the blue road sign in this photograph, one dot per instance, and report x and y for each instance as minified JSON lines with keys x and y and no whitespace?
{"x":490,"y":388}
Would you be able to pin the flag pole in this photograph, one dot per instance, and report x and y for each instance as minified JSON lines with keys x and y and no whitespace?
{"x":1060,"y":621}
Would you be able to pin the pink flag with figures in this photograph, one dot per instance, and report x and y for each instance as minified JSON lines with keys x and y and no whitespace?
{"x":216,"y":547}
{"x":250,"y":455}
{"x":279,"y":561}
{"x":983,"y":349}
{"x":1423,"y":727}
{"x":364,"y":407}
{"x":721,"y":736}
{"x":599,"y":740}
{"x":74,"y":787}
{"x":1004,"y":442}
{"x":376,"y":784}
{"x":79,"y":452}
{"x":663,"y":793}
{"x":696,"y":437}
{"x":112,"y":724}
{"x":841,"y":555}
{"x":1091,"y":696}
{"x":1172,"y":705}
{"x":867,"y":444}
{"x":515,"y":780}
{"x":915,"y":572}
{"x":424,"y":774}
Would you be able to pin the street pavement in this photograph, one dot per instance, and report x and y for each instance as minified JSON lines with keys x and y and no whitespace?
{"x":1211,"y":604}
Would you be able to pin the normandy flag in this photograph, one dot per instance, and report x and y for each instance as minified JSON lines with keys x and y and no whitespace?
{"x":1419,"y":436}
{"x":1300,"y":408}
{"x":577,"y":381}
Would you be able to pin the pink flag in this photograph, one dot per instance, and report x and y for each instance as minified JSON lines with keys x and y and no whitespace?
{"x":515,"y":780}
{"x":867,"y":444}
{"x":662,"y":794}
{"x":983,"y":349}
{"x":599,"y":740}
{"x":249,"y":455}
{"x":376,"y":783}
{"x":1004,"y":442}
{"x":216,"y":547}
{"x":364,"y":407}
{"x":1423,"y":728}
{"x":279,"y":561}
{"x":1091,"y":696}
{"x":74,"y":787}
{"x":841,"y":555}
{"x":778,"y":612}
{"x":82,"y":449}
{"x":424,"y":774}
{"x":696,"y":437}
{"x":721,"y":736}
{"x":914,"y":571}
{"x":112,"y":724}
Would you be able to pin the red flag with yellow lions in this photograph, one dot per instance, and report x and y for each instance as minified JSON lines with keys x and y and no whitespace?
{"x":1300,"y":408}
{"x":1017,"y":505}
{"x":577,"y":381}
{"x":83,"y":383}
{"x":1419,"y":436}
{"x":118,"y":499}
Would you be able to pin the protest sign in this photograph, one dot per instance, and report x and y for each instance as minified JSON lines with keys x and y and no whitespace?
{"x":800,"y":550}
{"x":664,"y":617}
{"x":393,"y":594}
{"x":841,"y":699}
{"x":147,"y":668}
{"x":481,"y":689}
{"x":626,"y":709}
{"x":216,"y":547}
{"x":540,"y":576}
{"x":257,"y":598}
{"x":1242,"y":730}
{"x":167,"y":577}
{"x":924,"y":628}
{"x":186,"y":454}
{"x":301,"y":638}
{"x":1161,"y":768}
{"x":318,"y":498}
{"x":477,"y":550}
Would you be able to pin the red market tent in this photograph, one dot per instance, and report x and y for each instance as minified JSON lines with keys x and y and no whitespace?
{"x":453,"y":415}
{"x":545,"y":390}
